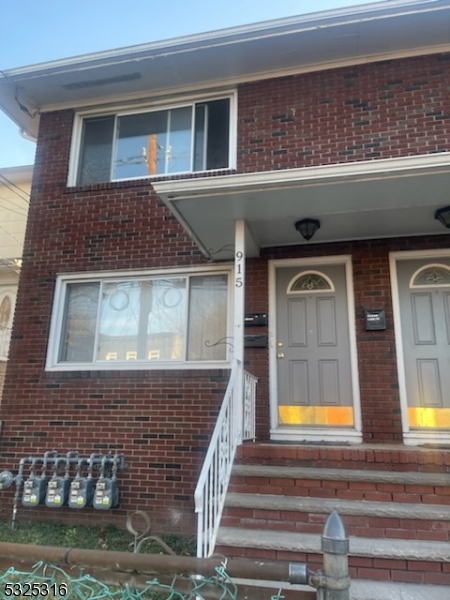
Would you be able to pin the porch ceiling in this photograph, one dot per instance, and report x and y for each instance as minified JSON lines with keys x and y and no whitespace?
{"x":364,"y":200}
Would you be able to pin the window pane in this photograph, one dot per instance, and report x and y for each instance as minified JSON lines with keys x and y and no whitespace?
{"x":218,"y":134}
{"x":167,"y":320}
{"x":141,"y":142}
{"x":208,"y":318}
{"x":180,"y":141}
{"x":142,"y":320}
{"x":212,"y":131}
{"x":153,"y":143}
{"x":96,"y":147}
{"x":80,"y":317}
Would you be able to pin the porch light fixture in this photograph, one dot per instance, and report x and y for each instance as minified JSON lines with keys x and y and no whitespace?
{"x":443,"y":216}
{"x":308,"y":227}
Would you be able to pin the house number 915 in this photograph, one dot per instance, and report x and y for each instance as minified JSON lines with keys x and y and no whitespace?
{"x":238,"y":281}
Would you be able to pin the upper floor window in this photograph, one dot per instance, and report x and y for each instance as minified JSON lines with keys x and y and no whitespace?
{"x":194,"y":136}
{"x":141,"y":321}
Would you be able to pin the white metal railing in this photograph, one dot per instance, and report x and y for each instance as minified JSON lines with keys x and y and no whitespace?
{"x":236,"y":421}
{"x":250,"y":382}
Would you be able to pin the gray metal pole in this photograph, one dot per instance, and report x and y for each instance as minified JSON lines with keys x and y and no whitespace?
{"x":335,"y":547}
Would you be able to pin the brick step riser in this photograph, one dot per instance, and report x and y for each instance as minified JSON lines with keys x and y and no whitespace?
{"x":342,"y":490}
{"x":358,"y":526}
{"x":379,"y":459}
{"x":379,"y":569}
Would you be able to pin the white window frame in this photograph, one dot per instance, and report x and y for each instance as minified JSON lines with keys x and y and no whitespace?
{"x":58,"y":312}
{"x":121,"y":110}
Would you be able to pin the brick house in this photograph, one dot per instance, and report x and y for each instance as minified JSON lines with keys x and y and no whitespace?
{"x":265,"y":196}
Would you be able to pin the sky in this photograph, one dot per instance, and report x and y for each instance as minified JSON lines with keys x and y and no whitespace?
{"x":46,"y":30}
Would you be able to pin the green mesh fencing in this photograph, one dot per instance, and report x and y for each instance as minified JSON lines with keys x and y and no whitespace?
{"x":49,"y":581}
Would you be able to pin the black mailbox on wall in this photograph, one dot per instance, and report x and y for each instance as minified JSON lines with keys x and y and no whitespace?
{"x":256,"y":341}
{"x":375,"y":320}
{"x":255,"y":319}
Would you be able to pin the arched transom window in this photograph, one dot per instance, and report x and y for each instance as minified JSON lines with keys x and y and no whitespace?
{"x":310,"y":281}
{"x":431,"y":275}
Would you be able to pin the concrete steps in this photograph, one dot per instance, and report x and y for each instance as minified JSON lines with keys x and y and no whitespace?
{"x":375,"y":503}
{"x":398,"y":522}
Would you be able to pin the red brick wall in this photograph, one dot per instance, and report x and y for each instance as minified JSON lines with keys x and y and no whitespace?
{"x":371,"y":111}
{"x":381,"y":110}
{"x":160,"y":420}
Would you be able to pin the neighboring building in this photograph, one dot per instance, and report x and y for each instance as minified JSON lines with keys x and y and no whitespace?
{"x":175,"y":196}
{"x":15,"y":185}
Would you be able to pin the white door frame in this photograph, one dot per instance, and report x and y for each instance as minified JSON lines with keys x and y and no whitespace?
{"x":412,"y":438}
{"x":354,"y":435}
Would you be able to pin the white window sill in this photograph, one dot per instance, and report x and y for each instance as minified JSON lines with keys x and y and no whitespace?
{"x":115,"y":365}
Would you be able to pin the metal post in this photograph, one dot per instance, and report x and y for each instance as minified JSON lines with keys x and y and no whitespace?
{"x":335,"y":547}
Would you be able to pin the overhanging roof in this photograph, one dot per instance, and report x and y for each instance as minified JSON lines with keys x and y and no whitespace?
{"x":316,"y":41}
{"x":361,"y":200}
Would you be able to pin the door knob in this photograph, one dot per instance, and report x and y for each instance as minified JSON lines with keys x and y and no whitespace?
{"x":280,"y":355}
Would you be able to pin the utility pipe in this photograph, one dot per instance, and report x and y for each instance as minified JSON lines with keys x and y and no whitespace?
{"x":183,"y":585}
{"x":19,"y":482}
{"x":237,"y":568}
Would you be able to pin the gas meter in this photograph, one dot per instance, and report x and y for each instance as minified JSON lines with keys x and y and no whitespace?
{"x":82,"y":488}
{"x":106,"y":491}
{"x":58,"y":486}
{"x":35,"y":487}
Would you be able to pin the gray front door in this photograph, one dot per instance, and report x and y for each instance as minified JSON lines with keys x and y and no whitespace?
{"x":424,"y":295}
{"x":313,"y":348}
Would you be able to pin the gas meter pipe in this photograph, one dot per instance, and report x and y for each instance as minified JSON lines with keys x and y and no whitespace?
{"x":19,"y":482}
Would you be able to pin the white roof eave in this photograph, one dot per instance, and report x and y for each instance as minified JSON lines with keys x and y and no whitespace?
{"x":284,"y":46}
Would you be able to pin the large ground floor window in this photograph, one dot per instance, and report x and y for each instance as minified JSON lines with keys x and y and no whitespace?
{"x":118,"y":321}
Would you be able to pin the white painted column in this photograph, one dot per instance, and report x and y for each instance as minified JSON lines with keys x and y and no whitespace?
{"x":239,"y":318}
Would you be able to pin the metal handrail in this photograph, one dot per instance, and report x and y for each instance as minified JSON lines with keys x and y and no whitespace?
{"x":249,"y":417}
{"x":215,"y":474}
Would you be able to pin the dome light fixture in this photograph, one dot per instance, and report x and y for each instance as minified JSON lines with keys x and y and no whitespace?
{"x":443,"y":216}
{"x":308,"y":227}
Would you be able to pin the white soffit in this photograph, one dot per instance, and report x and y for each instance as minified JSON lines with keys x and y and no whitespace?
{"x":362,"y":200}
{"x":227,"y":57}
